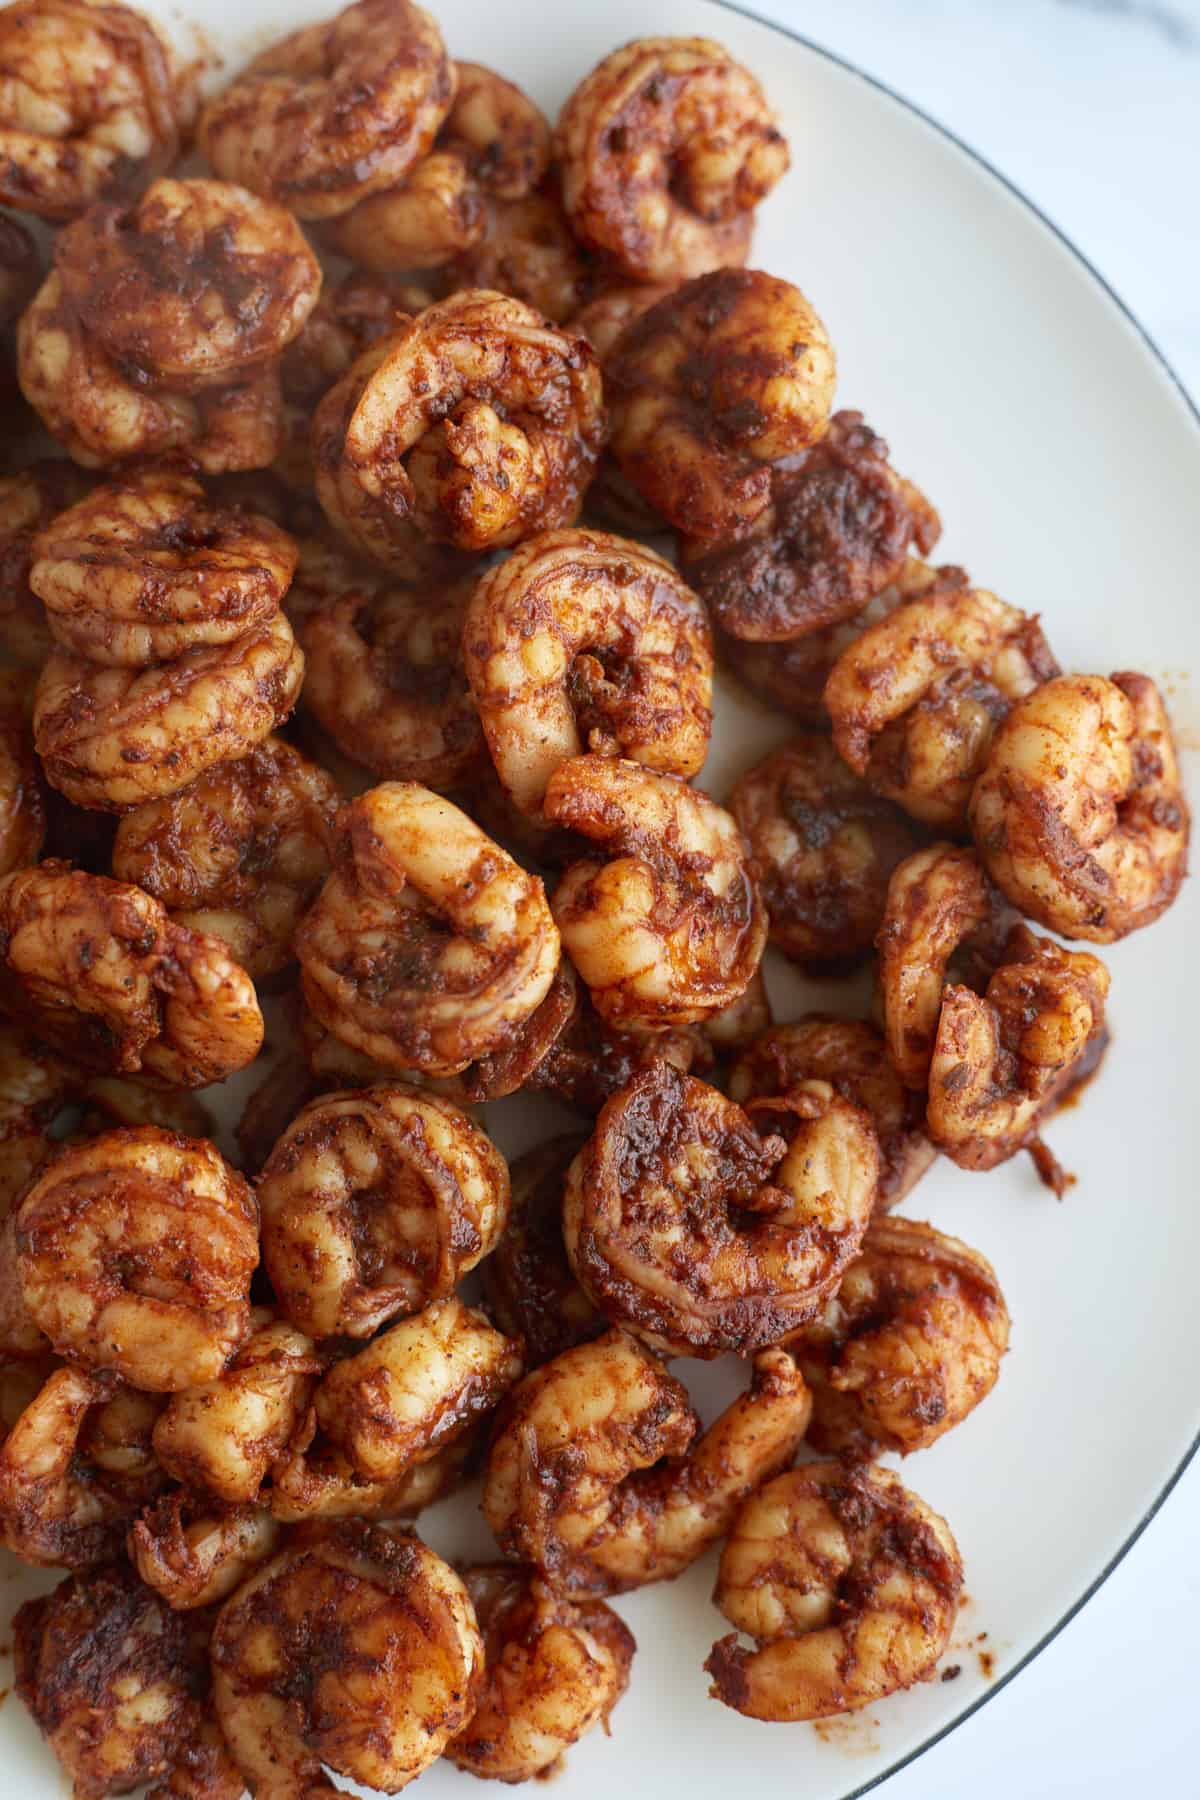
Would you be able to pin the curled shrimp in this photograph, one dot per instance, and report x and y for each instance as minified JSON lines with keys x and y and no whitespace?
{"x":598,"y":1475}
{"x":493,"y":142}
{"x":195,"y":1556}
{"x":853,"y":1058}
{"x":685,"y":1224}
{"x":531,"y":1291}
{"x":849,"y":1585}
{"x":191,"y":287}
{"x":415,"y":1388}
{"x":397,"y":1676}
{"x":240,"y":854}
{"x":1079,"y":813}
{"x":144,"y":568}
{"x":916,"y":698}
{"x":375,"y":1203}
{"x":722,"y":378}
{"x":335,"y":111}
{"x":527,"y":249}
{"x":427,"y":944}
{"x":553,"y":1669}
{"x":111,"y":738}
{"x":90,"y":105}
{"x":1002,"y":1059}
{"x":135,"y":1252}
{"x":907,"y":1347}
{"x":313,"y":1480}
{"x":221,"y":1436}
{"x":666,"y":149}
{"x":100,"y":972}
{"x":70,"y":1482}
{"x":22,"y":809}
{"x":29,"y":501}
{"x":835,"y":532}
{"x":822,"y":847}
{"x":585,"y":640}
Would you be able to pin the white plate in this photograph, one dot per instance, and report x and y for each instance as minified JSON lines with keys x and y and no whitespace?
{"x":1066,"y":465}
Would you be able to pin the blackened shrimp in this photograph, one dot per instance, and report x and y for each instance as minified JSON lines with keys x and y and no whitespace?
{"x":687,"y":1225}
{"x":530,"y":1289}
{"x":528,"y":250}
{"x":849,"y":1585}
{"x":193,"y":1554}
{"x":666,"y":927}
{"x":598,"y":1474}
{"x":314,"y":1480}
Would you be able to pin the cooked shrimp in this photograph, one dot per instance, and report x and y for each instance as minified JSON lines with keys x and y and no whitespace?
{"x":721,"y":379}
{"x":493,"y":141}
{"x":314,"y":1480}
{"x":135,"y":1252}
{"x":427,"y":944}
{"x":1080,"y":814}
{"x":530,"y":1289}
{"x":590,"y":1059}
{"x":238,"y":855}
{"x":195,"y":1556}
{"x":193,"y":286}
{"x":111,"y":1676}
{"x":847,"y":1582}
{"x":671,"y":927}
{"x":916,"y":698}
{"x":852,"y":1057}
{"x":335,"y":111}
{"x":20,"y":268}
{"x":144,"y":569}
{"x":113,"y":738}
{"x":822,"y":848}
{"x":584,"y":640}
{"x":415,"y":1388}
{"x":90,"y":106}
{"x":100,"y":972}
{"x":553,"y":1668}
{"x":395,"y":1675}
{"x":203,"y":1768}
{"x":64,"y":1501}
{"x":375,"y":1203}
{"x":222,"y":1436}
{"x":596,"y":1474}
{"x":1002,"y":1058}
{"x":22,"y":810}
{"x":908,"y":1346}
{"x":528,"y":250}
{"x":835,"y":532}
{"x":611,"y":498}
{"x":686,"y":1225}
{"x":28,"y":502}
{"x":666,"y":149}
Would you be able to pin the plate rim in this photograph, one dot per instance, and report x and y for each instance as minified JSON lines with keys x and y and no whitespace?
{"x":1192,"y":410}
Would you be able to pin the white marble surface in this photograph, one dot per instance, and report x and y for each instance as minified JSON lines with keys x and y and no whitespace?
{"x":1092,"y":107}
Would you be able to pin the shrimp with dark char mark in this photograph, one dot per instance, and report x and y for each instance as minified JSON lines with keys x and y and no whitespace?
{"x":530,"y":1289}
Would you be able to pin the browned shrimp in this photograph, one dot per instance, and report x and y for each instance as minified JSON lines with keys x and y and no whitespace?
{"x":428,"y":944}
{"x":393,"y":1672}
{"x":22,"y":809}
{"x":553,"y":1669}
{"x":916,"y":698}
{"x":493,"y":142}
{"x":612,"y":499}
{"x":111,"y":738}
{"x":90,"y":104}
{"x":822,"y":847}
{"x":135,"y":1252}
{"x":582,"y":640}
{"x":28,"y":502}
{"x":238,"y":855}
{"x":1080,"y":814}
{"x":314,"y":1480}
{"x":144,"y":568}
{"x":20,"y":267}
{"x":835,"y":532}
{"x":670,"y":928}
{"x":100,"y":972}
{"x":591,"y":1059}
{"x":685,"y":1224}
{"x":907,"y":1347}
{"x":598,"y":1476}
{"x":528,"y":250}
{"x":707,"y":389}
{"x":531,"y":1291}
{"x":194,"y":1554}
{"x":848,"y":1583}
{"x":852,"y":1057}
{"x":666,"y":149}
{"x":335,"y":111}
{"x":375,"y":1203}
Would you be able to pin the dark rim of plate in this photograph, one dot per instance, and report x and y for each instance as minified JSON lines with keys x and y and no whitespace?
{"x":1055,"y":231}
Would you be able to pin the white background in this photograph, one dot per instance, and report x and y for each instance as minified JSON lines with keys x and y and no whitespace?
{"x":1092,"y":107}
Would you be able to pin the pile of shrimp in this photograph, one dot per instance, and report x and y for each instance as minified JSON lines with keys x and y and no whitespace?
{"x":352,"y":736}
